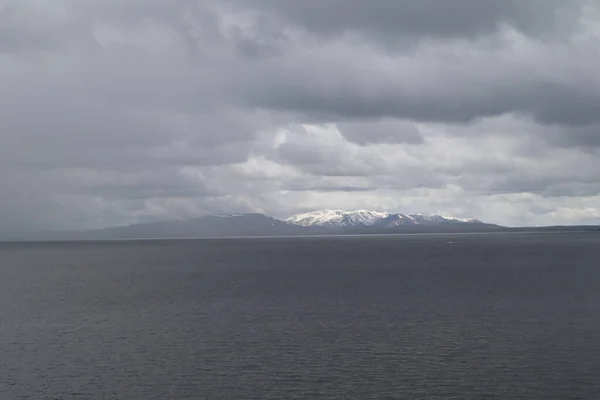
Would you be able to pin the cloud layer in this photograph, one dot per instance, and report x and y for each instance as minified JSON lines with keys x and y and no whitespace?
{"x":113,"y":112}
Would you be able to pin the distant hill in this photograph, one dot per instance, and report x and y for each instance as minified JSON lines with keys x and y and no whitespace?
{"x":226,"y":225}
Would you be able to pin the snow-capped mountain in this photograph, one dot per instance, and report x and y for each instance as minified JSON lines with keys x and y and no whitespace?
{"x":340,"y":218}
{"x":337,"y":218}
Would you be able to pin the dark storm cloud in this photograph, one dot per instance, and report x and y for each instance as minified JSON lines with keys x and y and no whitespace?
{"x":553,"y":82}
{"x":433,"y":87}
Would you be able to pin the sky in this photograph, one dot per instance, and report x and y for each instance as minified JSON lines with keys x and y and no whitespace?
{"x":121,"y":111}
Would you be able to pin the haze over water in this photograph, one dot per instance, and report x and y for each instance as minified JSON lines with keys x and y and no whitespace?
{"x":505,"y":316}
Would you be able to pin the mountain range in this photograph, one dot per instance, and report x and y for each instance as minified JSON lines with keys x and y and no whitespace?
{"x":322,"y":222}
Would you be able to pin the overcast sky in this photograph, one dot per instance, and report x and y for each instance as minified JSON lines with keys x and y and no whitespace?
{"x":118,"y":111}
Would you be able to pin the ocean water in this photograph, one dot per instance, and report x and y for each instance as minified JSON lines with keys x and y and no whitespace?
{"x":470,"y":317}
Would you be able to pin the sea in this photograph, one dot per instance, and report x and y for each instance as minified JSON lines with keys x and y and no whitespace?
{"x":468,"y":316}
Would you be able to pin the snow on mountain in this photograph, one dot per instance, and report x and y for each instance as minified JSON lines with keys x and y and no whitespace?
{"x":423,"y":219}
{"x":434,"y":218}
{"x":337,"y":218}
{"x":340,"y":218}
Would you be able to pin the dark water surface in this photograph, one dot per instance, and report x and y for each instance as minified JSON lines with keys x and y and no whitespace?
{"x":406,"y":317}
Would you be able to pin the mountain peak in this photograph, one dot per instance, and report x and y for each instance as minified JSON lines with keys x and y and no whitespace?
{"x":335,"y":218}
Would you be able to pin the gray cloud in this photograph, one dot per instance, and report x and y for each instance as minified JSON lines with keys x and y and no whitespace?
{"x":422,"y":18}
{"x":114,"y":112}
{"x":381,"y":131}
{"x":437,"y":84}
